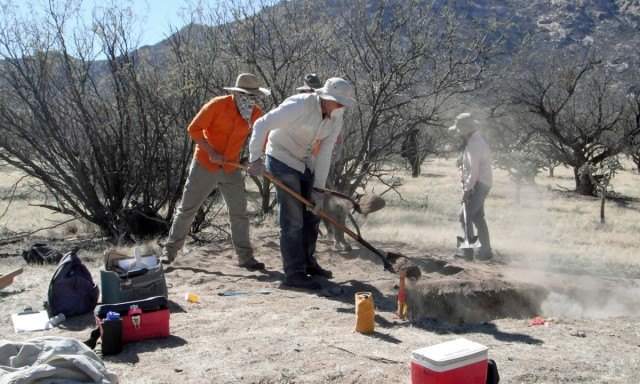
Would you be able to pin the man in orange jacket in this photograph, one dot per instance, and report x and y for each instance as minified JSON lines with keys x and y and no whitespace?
{"x":220,"y":130}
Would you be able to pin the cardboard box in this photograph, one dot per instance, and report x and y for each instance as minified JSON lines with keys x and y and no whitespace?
{"x":459,"y":361}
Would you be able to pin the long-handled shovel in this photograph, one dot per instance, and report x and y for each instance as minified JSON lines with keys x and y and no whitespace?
{"x":7,"y":279}
{"x":387,"y":265}
{"x":365,"y":204}
{"x":465,"y":242}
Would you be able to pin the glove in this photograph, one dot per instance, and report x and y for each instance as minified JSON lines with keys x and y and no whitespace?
{"x":256,"y":168}
{"x":317,"y":198}
{"x":216,"y":158}
{"x":466,"y":196}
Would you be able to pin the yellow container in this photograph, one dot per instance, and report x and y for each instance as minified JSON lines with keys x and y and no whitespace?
{"x":365,"y":312}
{"x":191,"y":297}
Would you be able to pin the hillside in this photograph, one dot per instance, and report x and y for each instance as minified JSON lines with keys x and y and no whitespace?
{"x":611,"y":27}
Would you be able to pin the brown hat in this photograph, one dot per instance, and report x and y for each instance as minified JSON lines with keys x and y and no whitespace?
{"x":248,"y":83}
{"x":311,"y":82}
{"x":464,"y":124}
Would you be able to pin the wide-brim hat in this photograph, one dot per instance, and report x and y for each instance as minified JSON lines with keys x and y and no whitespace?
{"x":464,"y":124}
{"x":247,"y":82}
{"x":311,"y":83}
{"x":338,"y":90}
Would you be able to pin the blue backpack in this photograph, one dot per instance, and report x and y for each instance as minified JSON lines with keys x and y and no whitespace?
{"x":72,"y":290}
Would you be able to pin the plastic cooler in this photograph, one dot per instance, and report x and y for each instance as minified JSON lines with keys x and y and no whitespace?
{"x":459,"y":361}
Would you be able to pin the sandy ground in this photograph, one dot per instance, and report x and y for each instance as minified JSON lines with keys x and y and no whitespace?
{"x":294,"y":336}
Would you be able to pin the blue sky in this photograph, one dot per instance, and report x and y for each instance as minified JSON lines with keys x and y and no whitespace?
{"x":160,"y":15}
{"x":155,"y":17}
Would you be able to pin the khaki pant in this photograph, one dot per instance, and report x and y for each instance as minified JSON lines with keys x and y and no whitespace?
{"x":200,"y":183}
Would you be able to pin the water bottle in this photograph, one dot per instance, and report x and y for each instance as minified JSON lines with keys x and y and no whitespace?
{"x":57,"y":319}
{"x":112,"y":334}
{"x":365,"y":312}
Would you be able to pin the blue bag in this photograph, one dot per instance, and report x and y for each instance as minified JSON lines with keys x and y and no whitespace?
{"x":72,"y":290}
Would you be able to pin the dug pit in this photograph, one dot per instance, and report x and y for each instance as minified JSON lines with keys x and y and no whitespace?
{"x":469,"y":293}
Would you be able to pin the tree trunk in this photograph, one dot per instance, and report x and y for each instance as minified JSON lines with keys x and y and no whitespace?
{"x":584,"y":184}
{"x":603,"y":197}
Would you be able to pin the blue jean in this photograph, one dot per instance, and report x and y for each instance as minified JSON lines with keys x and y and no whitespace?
{"x":475,"y":216}
{"x":298,"y":227}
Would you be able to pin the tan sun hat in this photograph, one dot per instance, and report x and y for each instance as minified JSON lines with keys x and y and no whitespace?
{"x":311,"y":82}
{"x":464,"y":124}
{"x":248,"y":83}
{"x":338,"y":90}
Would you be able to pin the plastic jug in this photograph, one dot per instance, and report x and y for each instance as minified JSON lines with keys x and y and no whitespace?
{"x":365,"y":312}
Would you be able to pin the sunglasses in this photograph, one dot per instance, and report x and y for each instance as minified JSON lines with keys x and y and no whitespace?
{"x":249,"y":95}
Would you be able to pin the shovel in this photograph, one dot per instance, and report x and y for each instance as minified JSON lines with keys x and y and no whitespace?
{"x":465,"y":242}
{"x":387,"y":265}
{"x":7,"y":279}
{"x":365,"y":205}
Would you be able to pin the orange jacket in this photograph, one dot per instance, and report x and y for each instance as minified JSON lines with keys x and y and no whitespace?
{"x":220,"y":123}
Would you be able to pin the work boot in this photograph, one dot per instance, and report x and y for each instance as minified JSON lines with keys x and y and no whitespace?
{"x":317,"y":270}
{"x":301,"y":280}
{"x":464,"y":254}
{"x":252,"y":265}
{"x":167,"y":257}
{"x":342,"y":246}
{"x":484,"y":255}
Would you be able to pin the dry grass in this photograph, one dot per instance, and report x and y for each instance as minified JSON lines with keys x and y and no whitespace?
{"x":19,"y":212}
{"x":550,"y":224}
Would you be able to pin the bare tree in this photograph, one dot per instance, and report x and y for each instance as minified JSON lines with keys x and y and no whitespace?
{"x":413,"y":65}
{"x":98,"y":134}
{"x":633,"y":148}
{"x":576,"y":107}
{"x":601,"y":176}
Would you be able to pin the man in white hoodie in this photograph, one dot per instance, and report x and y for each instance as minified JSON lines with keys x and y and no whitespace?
{"x":294,"y":128}
{"x":477,"y":180}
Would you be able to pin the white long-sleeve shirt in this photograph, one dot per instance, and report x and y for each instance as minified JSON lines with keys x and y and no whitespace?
{"x":476,"y":163}
{"x":296,"y":126}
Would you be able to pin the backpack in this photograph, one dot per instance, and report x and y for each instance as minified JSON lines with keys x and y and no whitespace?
{"x":41,"y":254}
{"x":71,"y":290}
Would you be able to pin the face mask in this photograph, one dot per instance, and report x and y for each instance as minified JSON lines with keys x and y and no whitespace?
{"x":245,"y":104}
{"x":338,"y":112}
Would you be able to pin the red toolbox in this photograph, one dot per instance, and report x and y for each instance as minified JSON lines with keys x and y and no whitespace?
{"x":141,"y":319}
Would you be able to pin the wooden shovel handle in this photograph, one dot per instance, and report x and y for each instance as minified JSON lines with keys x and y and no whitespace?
{"x":299,"y":197}
{"x":7,"y":279}
{"x":321,"y":213}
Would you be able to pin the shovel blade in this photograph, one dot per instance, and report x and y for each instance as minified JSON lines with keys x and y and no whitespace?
{"x":388,"y":266}
{"x":462,"y":243}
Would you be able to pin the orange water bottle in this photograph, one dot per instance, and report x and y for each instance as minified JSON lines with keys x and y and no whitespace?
{"x":365,"y":312}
